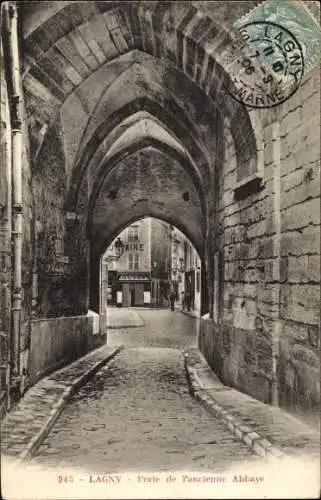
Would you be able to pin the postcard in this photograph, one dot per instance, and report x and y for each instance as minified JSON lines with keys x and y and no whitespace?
{"x":160,"y":249}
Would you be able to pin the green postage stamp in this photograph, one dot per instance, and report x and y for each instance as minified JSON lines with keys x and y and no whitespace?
{"x":297,"y":18}
{"x":281,"y":43}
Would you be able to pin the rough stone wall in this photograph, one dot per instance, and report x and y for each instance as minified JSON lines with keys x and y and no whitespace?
{"x":242,"y":298}
{"x":267,"y":265}
{"x":54,"y":266}
{"x":54,"y":274}
{"x":59,"y":271}
{"x":49,"y":191}
{"x":299,"y":354}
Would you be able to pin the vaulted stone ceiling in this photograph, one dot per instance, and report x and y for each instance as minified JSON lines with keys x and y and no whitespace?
{"x":148,"y":182}
{"x":133,"y":84}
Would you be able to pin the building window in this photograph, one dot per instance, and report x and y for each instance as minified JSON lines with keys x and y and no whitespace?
{"x":133,"y":233}
{"x":136,"y":261}
{"x":130,"y":261}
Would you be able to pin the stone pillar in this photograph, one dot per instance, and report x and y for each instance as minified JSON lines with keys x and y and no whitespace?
{"x":94,"y":273}
{"x":204,"y":290}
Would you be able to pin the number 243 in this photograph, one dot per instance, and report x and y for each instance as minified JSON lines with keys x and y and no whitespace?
{"x":65,"y":479}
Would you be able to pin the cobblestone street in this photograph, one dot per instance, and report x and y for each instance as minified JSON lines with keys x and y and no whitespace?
{"x":137,"y":413}
{"x":163,"y":328}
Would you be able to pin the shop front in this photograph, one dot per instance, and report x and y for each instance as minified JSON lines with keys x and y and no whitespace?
{"x":134,"y":290}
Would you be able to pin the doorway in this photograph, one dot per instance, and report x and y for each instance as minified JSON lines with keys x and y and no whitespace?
{"x":132,"y":297}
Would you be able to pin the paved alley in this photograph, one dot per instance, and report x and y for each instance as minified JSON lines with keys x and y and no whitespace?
{"x":137,"y":412}
{"x":162,"y":328}
{"x":123,"y":317}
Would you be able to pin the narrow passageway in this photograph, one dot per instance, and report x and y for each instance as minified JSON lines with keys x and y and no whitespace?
{"x":137,"y":413}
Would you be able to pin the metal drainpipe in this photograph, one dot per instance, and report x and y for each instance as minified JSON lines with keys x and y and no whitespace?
{"x":8,"y":229}
{"x":14,"y":96}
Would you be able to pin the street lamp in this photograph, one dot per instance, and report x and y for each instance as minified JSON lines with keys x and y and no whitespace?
{"x":119,"y":245}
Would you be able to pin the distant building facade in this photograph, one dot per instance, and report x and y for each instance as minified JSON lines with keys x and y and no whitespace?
{"x":186,"y":272}
{"x":139,"y":265}
{"x":146,"y":262}
{"x":128,"y":264}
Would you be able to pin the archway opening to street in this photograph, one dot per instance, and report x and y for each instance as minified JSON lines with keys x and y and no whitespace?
{"x":150,"y":265}
{"x":148,"y":181}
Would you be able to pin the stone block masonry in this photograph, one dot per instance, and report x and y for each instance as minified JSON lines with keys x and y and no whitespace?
{"x":264,"y":344}
{"x":299,"y":357}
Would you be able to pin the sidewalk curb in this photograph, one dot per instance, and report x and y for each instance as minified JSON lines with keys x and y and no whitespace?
{"x":260,"y":445}
{"x":58,"y":406}
{"x":122,"y":327}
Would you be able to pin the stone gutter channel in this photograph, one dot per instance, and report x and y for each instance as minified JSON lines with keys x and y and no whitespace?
{"x":269,"y":431}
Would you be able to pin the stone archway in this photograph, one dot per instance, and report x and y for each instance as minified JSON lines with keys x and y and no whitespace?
{"x":165,"y":60}
{"x":147,"y":182}
{"x":124,"y":113}
{"x":156,"y":134}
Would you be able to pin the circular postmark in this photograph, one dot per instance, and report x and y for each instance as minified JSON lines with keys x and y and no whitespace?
{"x":269,"y":67}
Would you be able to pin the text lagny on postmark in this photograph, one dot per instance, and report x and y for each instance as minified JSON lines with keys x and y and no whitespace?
{"x":281,"y":42}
